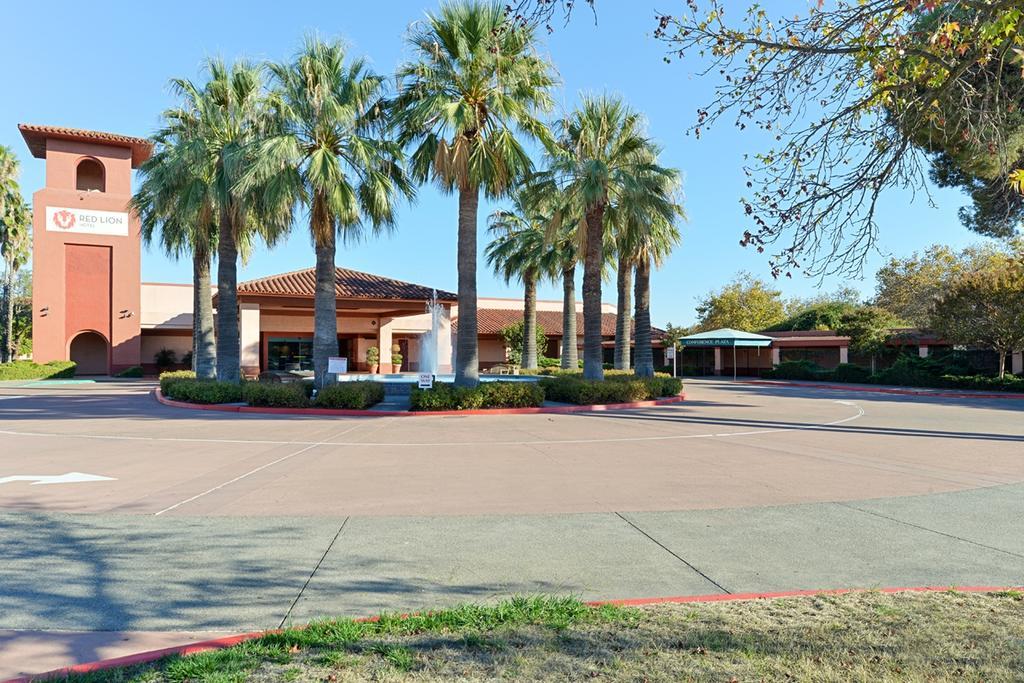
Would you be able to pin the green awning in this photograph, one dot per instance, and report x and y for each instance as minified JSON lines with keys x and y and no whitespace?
{"x":726,"y":337}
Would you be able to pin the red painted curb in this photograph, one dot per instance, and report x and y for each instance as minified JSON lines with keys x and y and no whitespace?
{"x":550,"y":410}
{"x":230,"y":641}
{"x":885,"y":390}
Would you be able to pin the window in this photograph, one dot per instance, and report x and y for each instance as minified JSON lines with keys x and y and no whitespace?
{"x":90,"y":176}
{"x":289,"y":354}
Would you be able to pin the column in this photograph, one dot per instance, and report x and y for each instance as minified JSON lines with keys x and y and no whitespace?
{"x":776,"y":356}
{"x":384,"y":342}
{"x":249,"y":331}
{"x":718,"y":360}
{"x":922,"y":351}
{"x":844,"y":354}
{"x":1017,"y":362}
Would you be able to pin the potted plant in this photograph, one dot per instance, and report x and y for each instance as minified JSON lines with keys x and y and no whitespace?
{"x":373,"y":359}
{"x":396,"y":358}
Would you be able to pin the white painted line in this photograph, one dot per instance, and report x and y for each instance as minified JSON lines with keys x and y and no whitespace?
{"x":8,"y":398}
{"x":451,"y":444}
{"x":44,"y":479}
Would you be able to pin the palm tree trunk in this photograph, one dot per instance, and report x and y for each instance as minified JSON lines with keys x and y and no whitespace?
{"x":594,"y":257}
{"x":644,"y":353}
{"x":204,"y":352}
{"x":229,"y":349}
{"x":530,"y":319}
{"x":622,"y":319}
{"x":7,"y":352}
{"x":570,"y":359}
{"x":325,"y":310}
{"x":467,"y":351}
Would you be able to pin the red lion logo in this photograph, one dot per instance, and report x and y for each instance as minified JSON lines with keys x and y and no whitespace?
{"x":64,"y":219}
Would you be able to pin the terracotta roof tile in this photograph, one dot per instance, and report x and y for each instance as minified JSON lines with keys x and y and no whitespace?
{"x":493,"y":320}
{"x":349,"y":284}
{"x":36,"y":137}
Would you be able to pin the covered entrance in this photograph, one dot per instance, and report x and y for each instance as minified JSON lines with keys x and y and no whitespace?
{"x":745,"y":352}
{"x":91,"y":352}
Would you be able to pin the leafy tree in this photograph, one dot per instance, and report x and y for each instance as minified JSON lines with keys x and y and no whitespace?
{"x":513,"y":336}
{"x":910,"y":287}
{"x":986,"y":308}
{"x":747,"y":304}
{"x":519,"y":250}
{"x":327,"y":150}
{"x":602,"y":154}
{"x":177,"y":206}
{"x":465,"y":105}
{"x":827,"y":315}
{"x":869,"y":328}
{"x":15,"y":244}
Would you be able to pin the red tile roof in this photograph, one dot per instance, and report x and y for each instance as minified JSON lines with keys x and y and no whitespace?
{"x":493,"y":320}
{"x":36,"y":137}
{"x":349,"y":284}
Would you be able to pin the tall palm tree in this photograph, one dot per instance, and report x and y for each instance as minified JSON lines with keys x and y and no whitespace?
{"x":329,"y":151}
{"x":177,"y":206}
{"x":15,"y":249}
{"x":520,"y":250}
{"x":230,"y":111}
{"x":602,"y":154}
{"x":473,"y":91}
{"x":565,"y":251}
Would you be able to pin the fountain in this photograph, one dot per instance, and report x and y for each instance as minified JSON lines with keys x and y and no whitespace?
{"x":429,"y":340}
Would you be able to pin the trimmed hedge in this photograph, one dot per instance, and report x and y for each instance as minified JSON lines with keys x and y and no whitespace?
{"x":202,"y":391}
{"x":268,"y":395}
{"x":485,"y":395}
{"x":169,"y":378}
{"x":616,"y":389}
{"x":26,"y":369}
{"x":133,"y":371}
{"x":350,"y":395}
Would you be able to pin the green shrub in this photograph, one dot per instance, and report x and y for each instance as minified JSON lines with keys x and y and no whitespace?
{"x":983,"y":382}
{"x":618,"y":388}
{"x":133,"y":371}
{"x":848,"y":372}
{"x":912,"y":371}
{"x":26,"y":369}
{"x":795,"y":369}
{"x":350,"y":395}
{"x":545,"y":362}
{"x":485,"y":395}
{"x":165,"y":358}
{"x":291,"y":395}
{"x":203,"y":391}
{"x":169,"y":378}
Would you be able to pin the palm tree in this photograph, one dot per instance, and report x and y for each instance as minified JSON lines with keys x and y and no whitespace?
{"x":15,"y":249}
{"x":230,"y":113}
{"x":602,"y":155}
{"x":520,"y":250}
{"x":464,"y":105}
{"x":177,"y":206}
{"x":328,"y":151}
{"x":564,"y":250}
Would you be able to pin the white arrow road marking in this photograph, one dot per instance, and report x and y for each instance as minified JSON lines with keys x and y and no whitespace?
{"x":8,"y":398}
{"x":69,"y":478}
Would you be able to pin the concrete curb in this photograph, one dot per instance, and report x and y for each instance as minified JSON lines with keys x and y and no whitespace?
{"x":887,"y":390}
{"x":230,"y":641}
{"x":550,"y":410}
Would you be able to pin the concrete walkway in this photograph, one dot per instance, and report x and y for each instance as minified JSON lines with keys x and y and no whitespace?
{"x":416,"y":514}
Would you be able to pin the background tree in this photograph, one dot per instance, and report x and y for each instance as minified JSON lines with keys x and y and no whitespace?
{"x":513,"y":336}
{"x":869,"y":329}
{"x":986,"y":308}
{"x":328,"y":150}
{"x":15,"y":249}
{"x":519,"y":250}
{"x":177,"y":206}
{"x":747,"y":303}
{"x":464,"y":105}
{"x":602,"y":153}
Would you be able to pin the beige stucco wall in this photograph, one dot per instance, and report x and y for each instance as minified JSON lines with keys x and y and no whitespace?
{"x":152,"y":343}
{"x":166,"y":305}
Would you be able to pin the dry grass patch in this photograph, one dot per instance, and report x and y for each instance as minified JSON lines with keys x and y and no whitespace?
{"x":869,"y":636}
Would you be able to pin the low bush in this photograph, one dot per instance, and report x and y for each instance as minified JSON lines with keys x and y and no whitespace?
{"x":202,"y":391}
{"x":545,"y":362}
{"x":616,"y":389}
{"x":485,"y":395}
{"x":169,"y":378}
{"x":984,"y":382}
{"x":133,"y":371}
{"x":848,"y":372}
{"x":350,"y":395}
{"x":912,"y":371}
{"x":264,"y":394}
{"x":26,"y":369}
{"x":795,"y":369}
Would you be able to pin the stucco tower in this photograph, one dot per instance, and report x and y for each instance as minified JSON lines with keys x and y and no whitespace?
{"x":86,"y":249}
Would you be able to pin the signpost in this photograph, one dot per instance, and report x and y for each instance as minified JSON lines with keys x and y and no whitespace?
{"x":670,"y":353}
{"x":337,"y":365}
{"x":426,"y":380}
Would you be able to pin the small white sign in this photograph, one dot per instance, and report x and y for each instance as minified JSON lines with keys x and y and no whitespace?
{"x":337,"y":365}
{"x":426,"y":380}
{"x":670,"y":353}
{"x":91,"y":222}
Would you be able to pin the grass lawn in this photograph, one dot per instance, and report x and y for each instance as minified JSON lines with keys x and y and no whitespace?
{"x":853,"y":637}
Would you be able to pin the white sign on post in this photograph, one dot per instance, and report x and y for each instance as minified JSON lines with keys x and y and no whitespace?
{"x":337,"y":365}
{"x":426,"y":380}
{"x":670,"y":353}
{"x":90,"y":222}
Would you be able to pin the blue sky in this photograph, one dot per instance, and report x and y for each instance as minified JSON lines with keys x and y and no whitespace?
{"x":105,"y":66}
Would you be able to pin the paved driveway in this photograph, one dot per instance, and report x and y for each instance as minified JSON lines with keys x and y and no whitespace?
{"x":220,"y":522}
